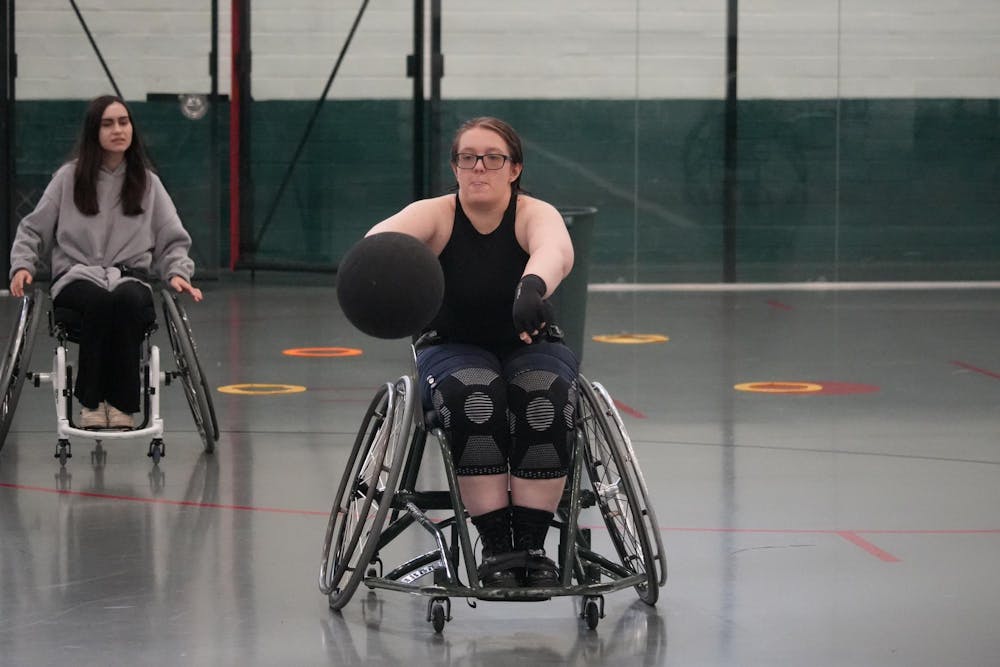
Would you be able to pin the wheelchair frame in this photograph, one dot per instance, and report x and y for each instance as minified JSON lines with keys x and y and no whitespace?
{"x":14,"y":372}
{"x":380,"y":483}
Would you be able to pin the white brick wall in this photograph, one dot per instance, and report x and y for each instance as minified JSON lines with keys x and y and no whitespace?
{"x":525,"y":48}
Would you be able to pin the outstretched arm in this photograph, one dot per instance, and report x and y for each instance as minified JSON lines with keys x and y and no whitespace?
{"x":550,"y":259}
{"x":548,"y":244}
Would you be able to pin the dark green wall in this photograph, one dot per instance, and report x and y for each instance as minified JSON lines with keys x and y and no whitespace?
{"x":860,"y":190}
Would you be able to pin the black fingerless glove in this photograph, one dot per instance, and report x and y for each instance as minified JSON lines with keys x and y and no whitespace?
{"x":532,"y":312}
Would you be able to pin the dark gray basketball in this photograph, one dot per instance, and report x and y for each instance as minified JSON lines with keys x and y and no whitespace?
{"x":390,"y":285}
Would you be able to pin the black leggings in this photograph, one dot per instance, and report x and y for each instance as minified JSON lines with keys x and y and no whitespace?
{"x":112,"y":326}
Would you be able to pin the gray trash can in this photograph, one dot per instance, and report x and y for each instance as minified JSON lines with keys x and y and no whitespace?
{"x":570,"y":299}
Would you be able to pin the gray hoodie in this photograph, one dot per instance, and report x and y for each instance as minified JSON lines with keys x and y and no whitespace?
{"x":94,"y":247}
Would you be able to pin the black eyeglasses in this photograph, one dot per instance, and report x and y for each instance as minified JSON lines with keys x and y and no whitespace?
{"x":491,"y":161}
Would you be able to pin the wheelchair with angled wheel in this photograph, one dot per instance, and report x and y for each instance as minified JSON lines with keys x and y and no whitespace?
{"x":381,"y":496}
{"x":64,"y":328}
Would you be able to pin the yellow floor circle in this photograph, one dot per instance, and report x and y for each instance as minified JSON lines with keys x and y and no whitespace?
{"x":630,"y":338}
{"x":779,"y":387}
{"x":262,"y":389}
{"x":322,"y":352}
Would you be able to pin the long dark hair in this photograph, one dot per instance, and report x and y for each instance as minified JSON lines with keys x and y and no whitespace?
{"x":506,"y":132}
{"x":89,"y":155}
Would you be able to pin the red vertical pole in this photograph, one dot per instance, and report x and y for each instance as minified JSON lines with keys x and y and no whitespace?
{"x":234,"y":136}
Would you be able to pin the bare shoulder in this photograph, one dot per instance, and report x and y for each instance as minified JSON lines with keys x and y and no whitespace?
{"x":434,"y":206}
{"x":429,"y":220}
{"x":533,"y":212}
{"x":535,"y":207}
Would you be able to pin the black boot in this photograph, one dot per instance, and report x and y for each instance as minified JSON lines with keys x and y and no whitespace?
{"x":497,"y":568}
{"x":530,"y":527}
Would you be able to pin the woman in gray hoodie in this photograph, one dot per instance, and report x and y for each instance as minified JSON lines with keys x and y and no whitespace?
{"x":108,"y":225}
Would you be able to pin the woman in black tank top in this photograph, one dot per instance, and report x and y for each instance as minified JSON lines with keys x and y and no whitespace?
{"x":499,"y":378}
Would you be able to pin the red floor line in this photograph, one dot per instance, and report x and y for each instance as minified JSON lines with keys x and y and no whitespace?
{"x":976,"y":369}
{"x":941,"y":531}
{"x":859,"y":541}
{"x":832,"y":531}
{"x":779,"y":305}
{"x":853,"y":536}
{"x":162,"y":501}
{"x":629,"y":410}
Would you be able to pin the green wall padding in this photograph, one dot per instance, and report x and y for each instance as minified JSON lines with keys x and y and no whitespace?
{"x":827,"y":190}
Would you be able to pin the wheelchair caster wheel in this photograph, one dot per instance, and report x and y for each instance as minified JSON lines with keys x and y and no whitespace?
{"x":438,"y":613}
{"x":157,"y":450}
{"x":64,"y":452}
{"x":593,"y":611}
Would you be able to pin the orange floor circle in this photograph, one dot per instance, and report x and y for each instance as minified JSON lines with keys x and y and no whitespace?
{"x":630,"y":338}
{"x":261,"y":389}
{"x":779,"y":387}
{"x":322,"y":352}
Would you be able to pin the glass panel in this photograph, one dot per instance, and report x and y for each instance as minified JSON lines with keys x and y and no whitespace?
{"x":353,"y":163}
{"x":565,"y":77}
{"x":919,"y":142}
{"x":868,"y":141}
{"x":787,"y":147}
{"x":680,"y":126}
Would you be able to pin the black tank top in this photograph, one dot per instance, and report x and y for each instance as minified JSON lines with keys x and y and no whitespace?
{"x":481,"y":272}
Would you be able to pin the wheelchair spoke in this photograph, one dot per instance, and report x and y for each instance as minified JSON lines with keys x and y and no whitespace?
{"x":366,"y":492}
{"x":616,"y":485}
{"x":189,"y":371}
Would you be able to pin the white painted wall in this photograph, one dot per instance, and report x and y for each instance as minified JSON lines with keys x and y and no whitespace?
{"x":525,"y":48}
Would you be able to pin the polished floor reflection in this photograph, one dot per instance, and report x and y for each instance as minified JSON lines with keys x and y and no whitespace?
{"x":838,"y":508}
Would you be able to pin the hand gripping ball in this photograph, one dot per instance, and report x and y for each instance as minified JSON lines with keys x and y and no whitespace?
{"x":390,"y":285}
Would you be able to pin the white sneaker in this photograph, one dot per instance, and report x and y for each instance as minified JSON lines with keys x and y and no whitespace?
{"x":94,"y":418}
{"x":119,"y":419}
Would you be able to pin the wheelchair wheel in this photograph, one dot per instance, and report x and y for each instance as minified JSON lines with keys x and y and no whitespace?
{"x":613,"y":480}
{"x":196,"y":389}
{"x":14,"y":365}
{"x":366,"y":491}
{"x":639,"y":481}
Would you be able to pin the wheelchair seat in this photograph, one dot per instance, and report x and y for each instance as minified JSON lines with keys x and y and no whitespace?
{"x":64,"y":323}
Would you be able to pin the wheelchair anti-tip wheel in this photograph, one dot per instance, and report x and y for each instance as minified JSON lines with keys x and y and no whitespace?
{"x":366,"y":489}
{"x":14,"y":365}
{"x":196,"y":389}
{"x":612,"y":474}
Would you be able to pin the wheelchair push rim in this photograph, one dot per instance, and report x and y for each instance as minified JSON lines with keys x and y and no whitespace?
{"x":14,"y":365}
{"x":638,"y":479}
{"x":196,"y":389}
{"x":361,"y":506}
{"x":610,"y":471}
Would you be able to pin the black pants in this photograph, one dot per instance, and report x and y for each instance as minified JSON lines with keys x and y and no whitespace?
{"x":112,"y":326}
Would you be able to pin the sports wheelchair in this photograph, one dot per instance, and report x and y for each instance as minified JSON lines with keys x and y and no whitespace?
{"x":64,"y":327}
{"x":378,"y":499}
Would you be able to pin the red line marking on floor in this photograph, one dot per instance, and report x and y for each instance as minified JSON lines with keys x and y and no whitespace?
{"x":779,"y":305}
{"x":975,"y":369}
{"x":628,"y":409}
{"x":852,"y":536}
{"x":944,"y":531}
{"x":162,"y":501}
{"x":859,"y":541}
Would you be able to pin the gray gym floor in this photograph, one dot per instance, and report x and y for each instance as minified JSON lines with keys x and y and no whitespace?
{"x":853,"y":521}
